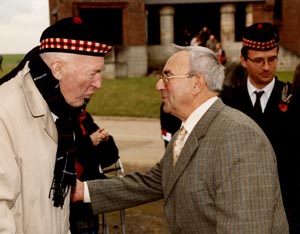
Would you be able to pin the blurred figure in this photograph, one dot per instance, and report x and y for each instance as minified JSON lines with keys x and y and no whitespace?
{"x":221,"y":55}
{"x":211,"y":43}
{"x":204,"y":35}
{"x":235,"y":76}
{"x":1,"y":61}
{"x":186,"y":37}
{"x":95,"y":148}
{"x":169,"y":125}
{"x":293,"y":136}
{"x":296,"y":79}
{"x":195,"y":40}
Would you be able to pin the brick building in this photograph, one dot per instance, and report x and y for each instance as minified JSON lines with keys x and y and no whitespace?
{"x":143,"y":30}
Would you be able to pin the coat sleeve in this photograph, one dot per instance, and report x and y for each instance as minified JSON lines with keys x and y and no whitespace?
{"x":131,"y":190}
{"x":9,"y":181}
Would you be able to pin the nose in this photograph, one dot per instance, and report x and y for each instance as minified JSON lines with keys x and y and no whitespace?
{"x":160,"y":85}
{"x":266,"y":65}
{"x":97,"y":82}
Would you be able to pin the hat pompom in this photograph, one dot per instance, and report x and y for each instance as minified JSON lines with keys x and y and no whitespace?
{"x":77,"y":20}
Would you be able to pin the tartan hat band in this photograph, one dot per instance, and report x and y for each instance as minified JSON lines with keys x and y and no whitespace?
{"x":259,"y":45}
{"x":74,"y":46}
{"x":74,"y":35}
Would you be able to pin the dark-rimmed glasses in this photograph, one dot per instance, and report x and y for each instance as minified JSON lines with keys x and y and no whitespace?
{"x":260,"y":62}
{"x":166,"y":78}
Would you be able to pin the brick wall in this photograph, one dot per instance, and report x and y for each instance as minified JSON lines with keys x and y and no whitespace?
{"x":289,"y":24}
{"x":290,"y":29}
{"x":133,"y":15}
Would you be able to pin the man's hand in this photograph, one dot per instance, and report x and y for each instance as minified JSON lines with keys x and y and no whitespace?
{"x":100,"y":135}
{"x":78,"y":192}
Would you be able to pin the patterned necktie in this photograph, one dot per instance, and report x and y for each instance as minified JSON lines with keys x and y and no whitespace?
{"x":257,"y":105}
{"x":178,"y":144}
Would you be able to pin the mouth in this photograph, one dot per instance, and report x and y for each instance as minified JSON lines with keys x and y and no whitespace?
{"x":89,"y":95}
{"x":266,"y":74}
{"x":164,"y":98}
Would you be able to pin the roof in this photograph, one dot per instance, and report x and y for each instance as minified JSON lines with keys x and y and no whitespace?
{"x":161,"y":2}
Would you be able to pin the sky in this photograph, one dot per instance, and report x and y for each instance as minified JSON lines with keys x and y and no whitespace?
{"x":21,"y":24}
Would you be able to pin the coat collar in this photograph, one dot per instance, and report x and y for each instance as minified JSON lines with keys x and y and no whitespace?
{"x":36,"y":104}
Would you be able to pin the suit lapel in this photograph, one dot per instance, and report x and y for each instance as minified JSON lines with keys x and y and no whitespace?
{"x":172,"y":174}
{"x":275,"y":97}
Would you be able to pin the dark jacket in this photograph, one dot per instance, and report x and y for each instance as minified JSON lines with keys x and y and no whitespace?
{"x":89,"y":156}
{"x":82,"y":219}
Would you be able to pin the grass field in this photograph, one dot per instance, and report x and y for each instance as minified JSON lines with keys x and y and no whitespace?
{"x":134,"y":97}
{"x":9,"y":62}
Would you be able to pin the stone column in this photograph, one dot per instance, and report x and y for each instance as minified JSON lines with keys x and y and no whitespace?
{"x":166,"y":25}
{"x":227,"y":23}
{"x":249,"y":14}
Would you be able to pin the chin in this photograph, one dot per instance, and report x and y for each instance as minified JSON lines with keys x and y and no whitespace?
{"x":77,"y":104}
{"x":166,"y":109}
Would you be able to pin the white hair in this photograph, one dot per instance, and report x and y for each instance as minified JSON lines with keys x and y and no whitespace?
{"x":205,"y":62}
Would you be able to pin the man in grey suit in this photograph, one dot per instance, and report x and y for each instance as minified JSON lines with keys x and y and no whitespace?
{"x":225,"y":178}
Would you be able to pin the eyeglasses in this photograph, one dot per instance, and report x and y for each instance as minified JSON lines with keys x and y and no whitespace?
{"x":260,"y":62}
{"x":166,"y":78}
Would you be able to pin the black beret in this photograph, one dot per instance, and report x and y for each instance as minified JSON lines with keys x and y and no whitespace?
{"x":260,"y":36}
{"x":72,"y":35}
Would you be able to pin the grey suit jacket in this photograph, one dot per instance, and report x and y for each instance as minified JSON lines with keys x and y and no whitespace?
{"x":225,"y":180}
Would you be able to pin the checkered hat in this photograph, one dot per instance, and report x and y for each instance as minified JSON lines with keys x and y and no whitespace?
{"x":72,"y":35}
{"x":260,"y":36}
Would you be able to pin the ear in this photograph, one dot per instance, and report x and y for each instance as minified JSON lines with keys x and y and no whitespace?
{"x":199,"y":84}
{"x":243,"y":61}
{"x":57,"y":67}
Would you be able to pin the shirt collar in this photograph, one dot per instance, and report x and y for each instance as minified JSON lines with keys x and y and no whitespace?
{"x":268,"y":88}
{"x":197,"y":114}
{"x":265,"y":97}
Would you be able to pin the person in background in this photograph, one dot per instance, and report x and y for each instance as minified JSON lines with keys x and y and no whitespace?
{"x":221,"y":53}
{"x":218,"y":173}
{"x":293,"y":136}
{"x":296,"y":79}
{"x":211,"y":43}
{"x":38,"y":122}
{"x":265,"y":99}
{"x":95,"y":147}
{"x":1,"y":61}
{"x":186,"y":36}
{"x":195,"y":41}
{"x":235,"y":75}
{"x":204,"y":35}
{"x":169,"y":124}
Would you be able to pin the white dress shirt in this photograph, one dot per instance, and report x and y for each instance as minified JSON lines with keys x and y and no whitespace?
{"x":265,"y":96}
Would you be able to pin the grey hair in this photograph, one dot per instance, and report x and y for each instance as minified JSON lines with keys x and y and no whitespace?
{"x":53,"y":55}
{"x":204,"y":61}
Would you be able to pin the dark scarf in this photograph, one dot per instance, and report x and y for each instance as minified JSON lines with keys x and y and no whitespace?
{"x":64,"y":171}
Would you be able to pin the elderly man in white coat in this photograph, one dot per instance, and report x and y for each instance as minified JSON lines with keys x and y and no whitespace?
{"x":37,"y":122}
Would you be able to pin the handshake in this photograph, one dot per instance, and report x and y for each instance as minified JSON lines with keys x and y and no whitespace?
{"x":78,"y":192}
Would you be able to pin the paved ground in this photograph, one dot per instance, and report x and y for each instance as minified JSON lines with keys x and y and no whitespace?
{"x":140,"y":147}
{"x":138,"y":139}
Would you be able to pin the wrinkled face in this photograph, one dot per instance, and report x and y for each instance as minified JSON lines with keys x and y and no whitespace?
{"x":261,"y":66}
{"x":177,"y":85}
{"x":81,"y":78}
